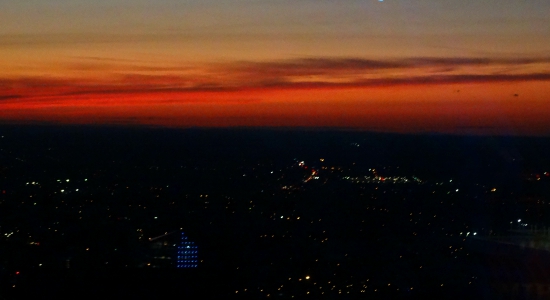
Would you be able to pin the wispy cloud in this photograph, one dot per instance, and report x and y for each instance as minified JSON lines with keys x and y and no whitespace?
{"x":417,"y":80}
{"x":323,"y":65}
{"x":9,"y":97}
{"x":302,"y":73}
{"x":358,"y":71}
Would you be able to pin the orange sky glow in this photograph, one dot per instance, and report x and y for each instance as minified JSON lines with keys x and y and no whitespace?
{"x":395,"y":66}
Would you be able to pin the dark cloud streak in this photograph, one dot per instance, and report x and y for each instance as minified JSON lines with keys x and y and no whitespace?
{"x":9,"y":97}
{"x":303,"y":73}
{"x":279,"y":84}
{"x":327,"y":66}
{"x":420,"y":80}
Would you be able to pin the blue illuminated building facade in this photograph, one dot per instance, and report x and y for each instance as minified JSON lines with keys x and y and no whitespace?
{"x":187,"y":253}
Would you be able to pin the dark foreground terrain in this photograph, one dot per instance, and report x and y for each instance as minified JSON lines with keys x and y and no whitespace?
{"x":101,"y":212}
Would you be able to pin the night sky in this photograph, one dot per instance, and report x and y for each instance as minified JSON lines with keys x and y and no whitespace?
{"x":453,"y":66}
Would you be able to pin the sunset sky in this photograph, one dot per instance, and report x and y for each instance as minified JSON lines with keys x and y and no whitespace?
{"x":455,"y":66}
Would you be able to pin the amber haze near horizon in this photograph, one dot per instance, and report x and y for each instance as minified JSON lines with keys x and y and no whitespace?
{"x":478,"y":67}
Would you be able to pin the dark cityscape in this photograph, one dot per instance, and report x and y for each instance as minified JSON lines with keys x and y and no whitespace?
{"x":274,"y":149}
{"x":271,"y":213}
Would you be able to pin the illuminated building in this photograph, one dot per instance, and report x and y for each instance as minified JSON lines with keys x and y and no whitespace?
{"x":187,"y":253}
{"x":171,"y":251}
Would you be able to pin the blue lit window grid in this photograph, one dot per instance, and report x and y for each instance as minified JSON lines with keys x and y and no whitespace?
{"x":189,"y":257}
